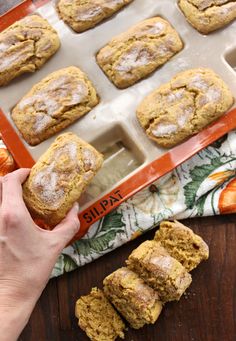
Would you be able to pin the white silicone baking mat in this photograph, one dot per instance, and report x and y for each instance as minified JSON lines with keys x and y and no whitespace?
{"x":112,"y":126}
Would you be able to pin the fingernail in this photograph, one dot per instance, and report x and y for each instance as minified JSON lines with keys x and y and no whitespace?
{"x":76,"y":205}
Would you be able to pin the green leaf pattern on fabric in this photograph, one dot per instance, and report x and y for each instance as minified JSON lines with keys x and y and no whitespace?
{"x":192,"y":189}
{"x":103,"y":237}
{"x":198,"y":174}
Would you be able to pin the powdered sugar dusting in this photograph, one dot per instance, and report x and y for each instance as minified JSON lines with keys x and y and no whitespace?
{"x":165,"y":262}
{"x":145,"y":293}
{"x":88,"y":13}
{"x":135,"y":58}
{"x":48,"y":183}
{"x":31,"y":20}
{"x":157,"y":28}
{"x":8,"y":60}
{"x":213,"y":95}
{"x":50,"y":105}
{"x":58,"y":83}
{"x":163,"y":129}
{"x":41,"y":102}
{"x":89,"y":159}
{"x":26,"y":102}
{"x":68,"y":151}
{"x":72,"y":149}
{"x":58,"y":94}
{"x":162,"y":50}
{"x":46,"y":47}
{"x":78,"y":94}
{"x":198,"y":82}
{"x":3,"y":47}
{"x":175,"y":96}
{"x":182,"y":119}
{"x":42,"y":121}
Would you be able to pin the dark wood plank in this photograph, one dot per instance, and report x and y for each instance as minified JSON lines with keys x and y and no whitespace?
{"x":44,"y":322}
{"x":205,"y":313}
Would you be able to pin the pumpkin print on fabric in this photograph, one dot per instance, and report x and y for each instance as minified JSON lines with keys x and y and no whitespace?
{"x":7,"y":163}
{"x":221,"y":177}
{"x":161,"y":194}
{"x":204,"y":185}
{"x":227,"y":200}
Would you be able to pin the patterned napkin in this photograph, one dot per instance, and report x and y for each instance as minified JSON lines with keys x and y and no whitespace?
{"x":202,"y":186}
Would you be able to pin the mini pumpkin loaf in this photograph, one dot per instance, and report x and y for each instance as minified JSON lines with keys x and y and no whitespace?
{"x":98,"y":318}
{"x":81,"y":15}
{"x":159,"y":270}
{"x":182,"y":244}
{"x":53,"y":104}
{"x":59,"y":177}
{"x":208,"y":15}
{"x":25,"y":46}
{"x":136,"y":53}
{"x":137,"y":302}
{"x":184,"y":106}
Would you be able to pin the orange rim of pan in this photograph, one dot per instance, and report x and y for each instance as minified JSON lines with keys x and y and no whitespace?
{"x":141,"y":178}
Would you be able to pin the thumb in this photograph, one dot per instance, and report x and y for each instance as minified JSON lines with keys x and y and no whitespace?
{"x":69,"y":226}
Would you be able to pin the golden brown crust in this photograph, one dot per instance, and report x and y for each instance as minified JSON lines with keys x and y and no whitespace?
{"x":208,"y":15}
{"x":25,"y":46}
{"x":53,"y":104}
{"x":59,"y":177}
{"x":136,"y":301}
{"x":139,"y":51}
{"x":184,"y":106}
{"x":82,"y":15}
{"x":159,"y":270}
{"x":98,"y":318}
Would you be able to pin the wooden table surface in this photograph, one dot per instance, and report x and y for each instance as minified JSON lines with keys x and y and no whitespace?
{"x":206,"y":313}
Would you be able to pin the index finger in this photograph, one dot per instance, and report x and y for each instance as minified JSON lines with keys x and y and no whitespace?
{"x":0,"y":190}
{"x":12,"y":189}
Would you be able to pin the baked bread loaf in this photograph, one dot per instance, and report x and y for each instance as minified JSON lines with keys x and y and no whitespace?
{"x":81,"y":15}
{"x":136,"y":53}
{"x":53,"y":104}
{"x":25,"y":46}
{"x":208,"y":15}
{"x":182,"y":244}
{"x":98,"y":318}
{"x":159,"y":270}
{"x":59,"y":177}
{"x":137,"y":302}
{"x":184,"y":106}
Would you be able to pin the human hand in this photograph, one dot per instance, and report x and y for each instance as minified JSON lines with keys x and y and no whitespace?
{"x":27,"y":253}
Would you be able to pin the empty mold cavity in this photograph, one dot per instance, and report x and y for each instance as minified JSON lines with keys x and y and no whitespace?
{"x":230,"y":58}
{"x":121,"y":158}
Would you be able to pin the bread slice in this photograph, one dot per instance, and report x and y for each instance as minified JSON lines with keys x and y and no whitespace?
{"x":98,"y":318}
{"x":59,"y":177}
